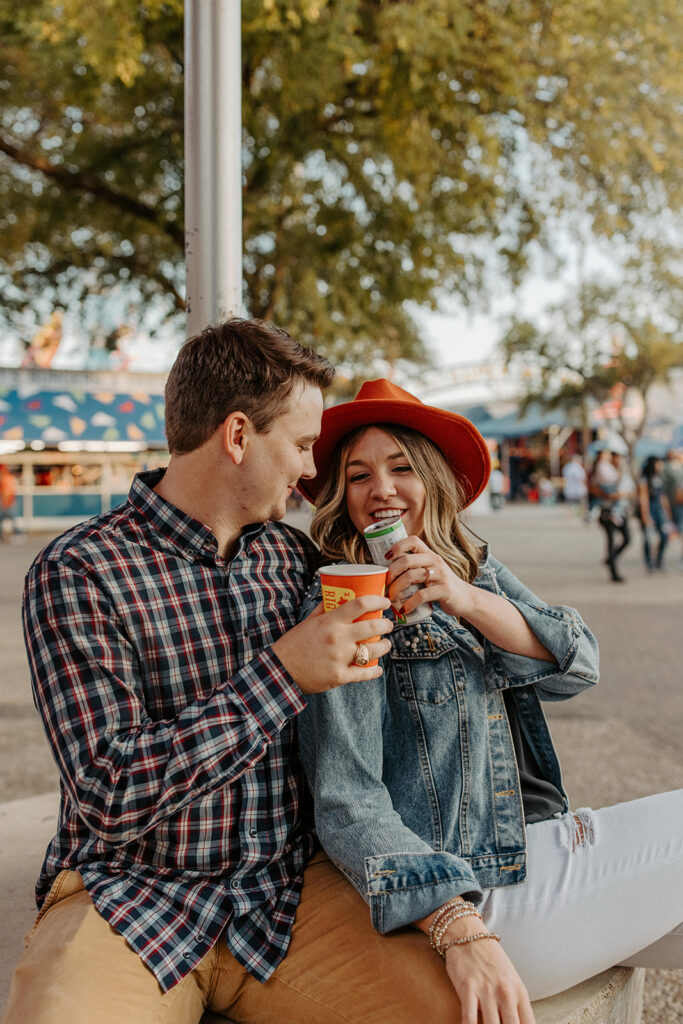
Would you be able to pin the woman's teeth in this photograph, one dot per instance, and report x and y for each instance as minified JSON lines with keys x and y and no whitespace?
{"x":389,"y":513}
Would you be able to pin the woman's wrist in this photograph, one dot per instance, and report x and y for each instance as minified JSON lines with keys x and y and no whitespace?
{"x":462,"y":597}
{"x":456,"y":944}
{"x":461,"y":927}
{"x":453,"y":922}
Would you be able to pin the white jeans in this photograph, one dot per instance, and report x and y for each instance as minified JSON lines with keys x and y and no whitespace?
{"x":613,"y":895}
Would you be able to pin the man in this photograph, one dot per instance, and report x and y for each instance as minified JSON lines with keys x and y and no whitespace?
{"x":8,"y":503}
{"x":169,"y":670}
{"x":574,"y":485}
{"x":672,"y":475}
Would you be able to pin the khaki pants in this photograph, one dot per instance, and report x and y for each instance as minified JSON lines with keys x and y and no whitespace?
{"x":77,"y":969}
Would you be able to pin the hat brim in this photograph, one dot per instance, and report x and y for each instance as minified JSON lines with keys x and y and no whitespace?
{"x":459,"y":440}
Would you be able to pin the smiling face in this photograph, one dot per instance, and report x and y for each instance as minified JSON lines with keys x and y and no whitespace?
{"x":382,"y":484}
{"x":280,"y":456}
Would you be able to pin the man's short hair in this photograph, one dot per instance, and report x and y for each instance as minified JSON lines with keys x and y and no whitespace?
{"x":240,"y":365}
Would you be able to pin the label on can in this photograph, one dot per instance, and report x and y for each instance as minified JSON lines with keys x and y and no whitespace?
{"x":380,"y":538}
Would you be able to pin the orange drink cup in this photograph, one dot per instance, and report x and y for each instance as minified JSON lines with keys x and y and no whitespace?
{"x":344,"y":582}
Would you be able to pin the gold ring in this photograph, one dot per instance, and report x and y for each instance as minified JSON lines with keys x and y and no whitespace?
{"x":429,"y":572}
{"x":362,"y":656}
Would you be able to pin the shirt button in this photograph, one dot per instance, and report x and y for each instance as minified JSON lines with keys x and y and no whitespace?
{"x":235,"y":884}
{"x":253,"y":833}
{"x":201,"y":937}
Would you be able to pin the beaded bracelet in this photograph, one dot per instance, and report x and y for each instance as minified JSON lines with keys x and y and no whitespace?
{"x":440,"y":930}
{"x":446,"y":913}
{"x":457,"y":903}
{"x":468,"y":938}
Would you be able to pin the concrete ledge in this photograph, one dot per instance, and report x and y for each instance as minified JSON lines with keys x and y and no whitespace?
{"x":26,"y":826}
{"x":613,"y":997}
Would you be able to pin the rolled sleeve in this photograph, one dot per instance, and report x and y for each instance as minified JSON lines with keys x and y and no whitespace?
{"x":562,"y":632}
{"x":404,"y":887}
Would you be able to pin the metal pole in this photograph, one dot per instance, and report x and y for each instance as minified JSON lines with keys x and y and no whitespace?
{"x":213,"y":161}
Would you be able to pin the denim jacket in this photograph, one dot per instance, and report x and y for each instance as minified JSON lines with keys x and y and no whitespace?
{"x":414,"y":775}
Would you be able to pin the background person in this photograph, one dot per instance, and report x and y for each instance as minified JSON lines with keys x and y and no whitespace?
{"x":655,"y":512}
{"x":574,"y":486}
{"x":672,"y":475}
{"x":497,"y":487}
{"x":437,"y":788}
{"x":8,"y":503}
{"x":168,"y":669}
{"x":613,"y":487}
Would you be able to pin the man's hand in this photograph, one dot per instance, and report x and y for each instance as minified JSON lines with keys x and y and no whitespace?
{"x":318,"y":653}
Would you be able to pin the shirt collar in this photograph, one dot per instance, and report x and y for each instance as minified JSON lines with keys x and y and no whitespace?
{"x":184,"y":532}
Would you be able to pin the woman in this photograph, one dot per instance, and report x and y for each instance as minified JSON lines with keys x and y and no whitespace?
{"x":437,"y":788}
{"x":613,"y":487}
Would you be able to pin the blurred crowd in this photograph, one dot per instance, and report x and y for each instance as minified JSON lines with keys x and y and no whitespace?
{"x":609,"y":492}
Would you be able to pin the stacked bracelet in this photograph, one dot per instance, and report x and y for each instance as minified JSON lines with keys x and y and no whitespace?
{"x":468,"y":938}
{"x":449,"y":912}
{"x":441,"y":929}
{"x":457,"y":903}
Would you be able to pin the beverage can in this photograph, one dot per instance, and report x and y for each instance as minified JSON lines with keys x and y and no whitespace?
{"x":380,"y":538}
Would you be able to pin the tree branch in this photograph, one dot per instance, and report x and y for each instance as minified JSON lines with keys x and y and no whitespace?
{"x":81,"y":182}
{"x":178,"y":301}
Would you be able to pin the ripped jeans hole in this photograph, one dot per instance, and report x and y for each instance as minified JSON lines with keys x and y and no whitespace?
{"x":579,"y":829}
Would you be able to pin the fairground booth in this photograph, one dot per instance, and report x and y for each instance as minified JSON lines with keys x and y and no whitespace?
{"x":76,"y":438}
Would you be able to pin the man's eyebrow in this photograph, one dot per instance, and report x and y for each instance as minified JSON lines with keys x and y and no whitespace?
{"x":309,"y":438}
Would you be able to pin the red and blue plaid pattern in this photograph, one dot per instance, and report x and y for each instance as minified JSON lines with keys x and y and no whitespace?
{"x":173,"y":727}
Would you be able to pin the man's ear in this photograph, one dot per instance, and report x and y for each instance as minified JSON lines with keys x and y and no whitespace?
{"x":236,"y":431}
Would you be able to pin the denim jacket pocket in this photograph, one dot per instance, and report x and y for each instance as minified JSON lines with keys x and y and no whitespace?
{"x":426,"y":664}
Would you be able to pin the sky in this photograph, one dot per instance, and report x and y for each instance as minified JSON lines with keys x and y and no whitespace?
{"x":455,"y":339}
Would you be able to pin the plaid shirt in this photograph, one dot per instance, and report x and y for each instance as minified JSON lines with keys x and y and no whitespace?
{"x":173,"y":727}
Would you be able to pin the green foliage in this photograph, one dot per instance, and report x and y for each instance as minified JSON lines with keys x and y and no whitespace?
{"x":606,"y":341}
{"x":393,"y":149}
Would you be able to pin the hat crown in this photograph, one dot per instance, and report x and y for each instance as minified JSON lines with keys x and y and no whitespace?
{"x":384,"y":391}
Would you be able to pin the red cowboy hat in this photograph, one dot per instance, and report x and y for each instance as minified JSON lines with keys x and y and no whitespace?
{"x":380,"y":401}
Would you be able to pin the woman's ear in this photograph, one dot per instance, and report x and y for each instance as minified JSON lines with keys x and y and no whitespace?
{"x":236,"y":429}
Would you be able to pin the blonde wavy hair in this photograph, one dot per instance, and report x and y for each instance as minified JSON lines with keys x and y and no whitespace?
{"x":337,"y":537}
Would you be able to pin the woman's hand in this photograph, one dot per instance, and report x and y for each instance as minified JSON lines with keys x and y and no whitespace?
{"x":483,"y":976}
{"x":494,"y":616}
{"x":487,"y":984}
{"x":412,"y":562}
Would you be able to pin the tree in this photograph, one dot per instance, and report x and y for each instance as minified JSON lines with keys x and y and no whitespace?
{"x":393,"y":149}
{"x":606,"y":342}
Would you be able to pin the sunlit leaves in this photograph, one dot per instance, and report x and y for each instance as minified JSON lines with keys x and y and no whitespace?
{"x":392,"y":151}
